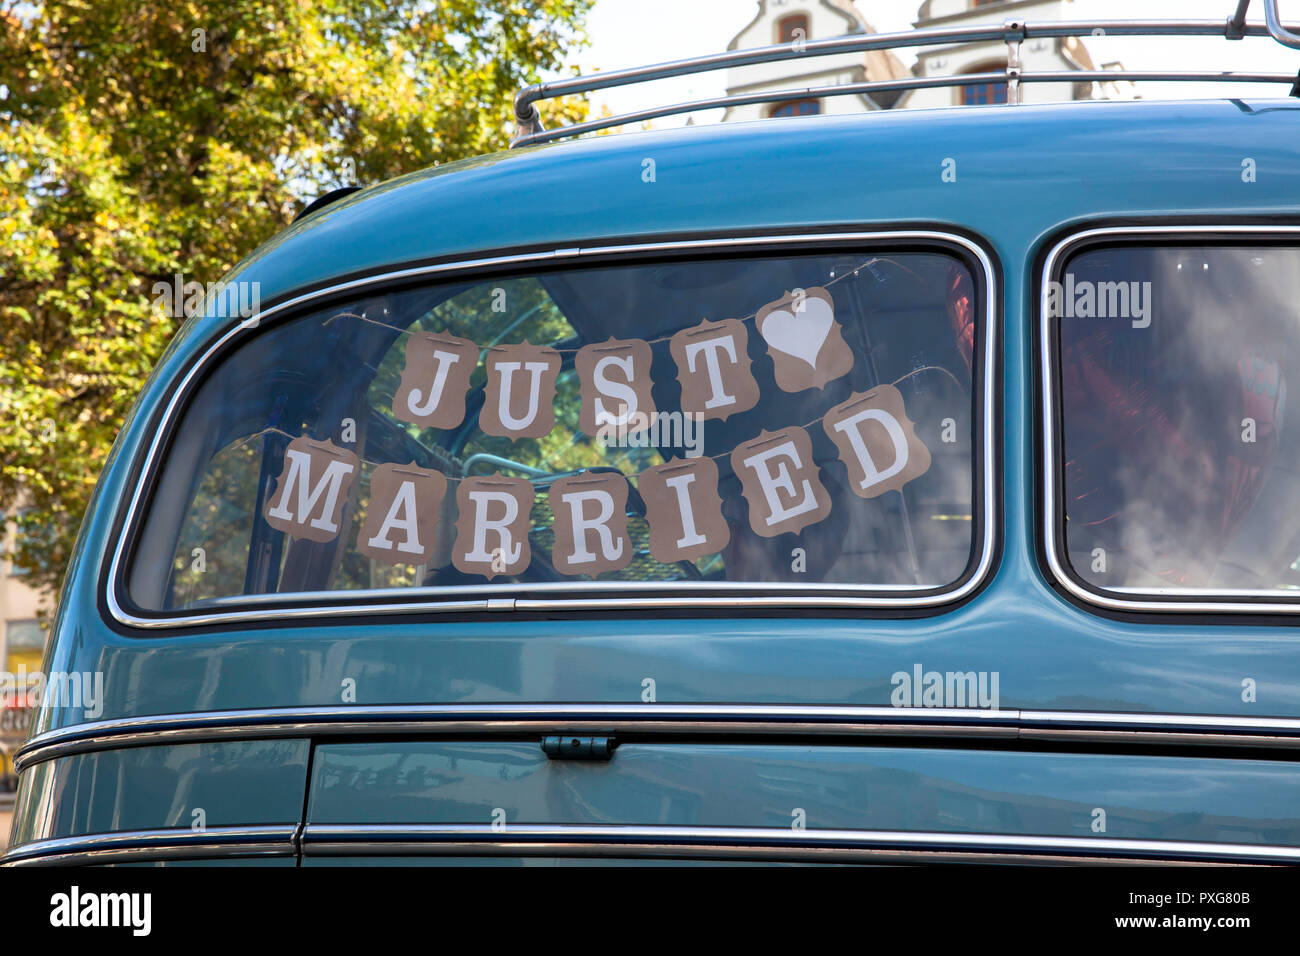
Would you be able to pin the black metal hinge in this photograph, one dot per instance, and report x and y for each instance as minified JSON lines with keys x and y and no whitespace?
{"x":578,"y":748}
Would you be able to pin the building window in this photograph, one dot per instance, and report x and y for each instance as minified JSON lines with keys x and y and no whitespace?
{"x":796,"y":108}
{"x":979,"y":94}
{"x":786,"y":27}
{"x":24,"y":646}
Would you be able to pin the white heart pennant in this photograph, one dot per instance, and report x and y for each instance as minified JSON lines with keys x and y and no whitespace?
{"x":804,"y":340}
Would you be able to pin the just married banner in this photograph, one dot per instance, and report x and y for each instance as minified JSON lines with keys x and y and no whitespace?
{"x":410,"y":506}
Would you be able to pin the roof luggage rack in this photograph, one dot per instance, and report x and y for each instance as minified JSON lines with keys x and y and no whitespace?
{"x":529,"y":130}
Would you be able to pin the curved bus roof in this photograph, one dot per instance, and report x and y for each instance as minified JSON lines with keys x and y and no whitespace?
{"x":1019,"y":169}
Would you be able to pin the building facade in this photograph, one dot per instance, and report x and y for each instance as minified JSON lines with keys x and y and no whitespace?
{"x":791,"y":21}
{"x":779,"y":21}
{"x":22,"y":647}
{"x":22,"y":638}
{"x":1039,"y":55}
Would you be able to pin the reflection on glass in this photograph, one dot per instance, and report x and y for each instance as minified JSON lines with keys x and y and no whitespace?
{"x":1181,"y":468}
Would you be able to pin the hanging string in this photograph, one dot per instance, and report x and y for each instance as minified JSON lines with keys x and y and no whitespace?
{"x":719,"y":457}
{"x":831,"y":280}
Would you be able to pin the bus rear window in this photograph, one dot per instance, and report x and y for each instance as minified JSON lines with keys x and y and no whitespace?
{"x":804,"y":421}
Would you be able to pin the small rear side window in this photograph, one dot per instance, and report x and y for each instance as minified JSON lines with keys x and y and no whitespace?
{"x":797,"y":421}
{"x":1178,"y":459}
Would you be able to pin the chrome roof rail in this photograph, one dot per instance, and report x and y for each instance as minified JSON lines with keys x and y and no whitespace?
{"x":1276,"y":28}
{"x":529,"y":130}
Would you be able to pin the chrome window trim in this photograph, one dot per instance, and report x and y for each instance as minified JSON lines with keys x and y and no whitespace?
{"x":1184,"y":600}
{"x":697,"y":719}
{"x":380,"y":839}
{"x":128,"y":845}
{"x":326,"y":841}
{"x":621,"y":594}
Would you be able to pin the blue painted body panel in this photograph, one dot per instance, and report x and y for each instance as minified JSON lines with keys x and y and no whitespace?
{"x":1154,"y":798}
{"x":1022,"y":174}
{"x":150,"y":788}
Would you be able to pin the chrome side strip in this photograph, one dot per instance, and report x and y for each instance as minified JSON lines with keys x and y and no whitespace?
{"x":325,"y":840}
{"x":1166,"y":722}
{"x":690,"y":719}
{"x":321,"y":840}
{"x":129,"y":845}
{"x":1186,"y":600}
{"x":505,"y":720}
{"x":621,"y":595}
{"x":681,"y":842}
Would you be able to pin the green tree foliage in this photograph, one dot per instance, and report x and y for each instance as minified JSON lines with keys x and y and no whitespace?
{"x":139,"y":139}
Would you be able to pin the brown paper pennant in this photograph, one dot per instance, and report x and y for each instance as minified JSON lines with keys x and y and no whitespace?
{"x":401,"y":524}
{"x":684,"y":509}
{"x":614,"y":382}
{"x":781,"y":482}
{"x":492,"y":528}
{"x":590,"y":524}
{"x":806,"y":343}
{"x":312,"y":489}
{"x":713,"y":366}
{"x":877,"y":441}
{"x":520,"y":397}
{"x":435,"y":380}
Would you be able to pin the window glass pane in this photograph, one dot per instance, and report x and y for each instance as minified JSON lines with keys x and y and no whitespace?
{"x":1179,"y":461}
{"x":617,"y":395}
{"x":25,"y":528}
{"x":787,"y":26}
